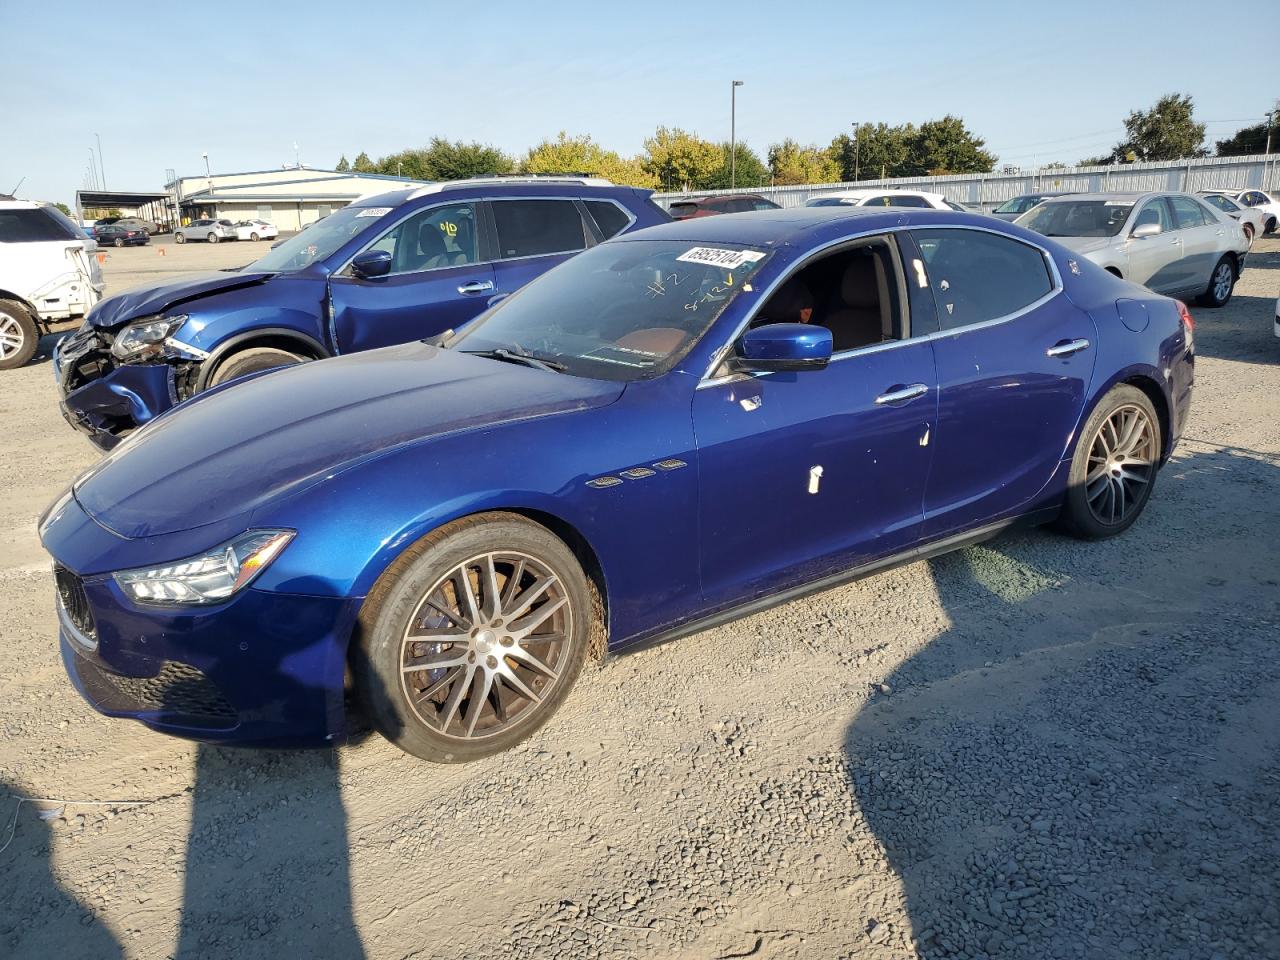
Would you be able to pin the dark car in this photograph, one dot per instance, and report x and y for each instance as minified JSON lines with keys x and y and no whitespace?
{"x":1015,"y":207}
{"x":675,"y":428}
{"x":724,"y":203}
{"x":387,"y":269}
{"x":119,"y":235}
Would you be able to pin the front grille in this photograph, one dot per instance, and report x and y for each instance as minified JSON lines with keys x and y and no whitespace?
{"x":178,"y":689}
{"x":74,"y":603}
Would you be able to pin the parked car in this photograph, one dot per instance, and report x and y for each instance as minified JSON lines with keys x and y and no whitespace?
{"x":256,"y":230}
{"x":384,"y":270}
{"x":1015,"y":207}
{"x":211,"y":230}
{"x":47,"y":273}
{"x":884,"y":197}
{"x":1253,"y":220}
{"x":643,"y":442}
{"x":149,"y":227}
{"x":723,"y":203}
{"x":119,"y":235}
{"x":1171,"y":243}
{"x":1263,"y":201}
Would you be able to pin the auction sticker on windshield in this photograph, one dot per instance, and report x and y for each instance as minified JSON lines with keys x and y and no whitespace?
{"x":720,"y":257}
{"x":373,"y":211}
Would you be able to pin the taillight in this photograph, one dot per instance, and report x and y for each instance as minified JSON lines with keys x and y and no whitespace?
{"x":1188,"y":324}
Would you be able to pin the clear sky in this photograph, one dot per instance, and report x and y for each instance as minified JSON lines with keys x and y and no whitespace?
{"x":164,"y":82}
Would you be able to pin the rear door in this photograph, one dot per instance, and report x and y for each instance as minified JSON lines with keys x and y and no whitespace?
{"x":532,"y":236}
{"x":1014,"y":359}
{"x":439,"y":280}
{"x":1202,"y":238}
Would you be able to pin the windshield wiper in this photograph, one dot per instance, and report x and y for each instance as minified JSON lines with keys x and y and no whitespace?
{"x":515,"y":356}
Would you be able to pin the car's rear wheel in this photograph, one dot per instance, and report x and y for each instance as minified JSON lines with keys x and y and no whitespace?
{"x":252,"y":360}
{"x":119,"y":241}
{"x":212,"y":237}
{"x":1221,"y":283}
{"x":473,"y":638}
{"x":1271,"y":225}
{"x":1248,"y":233}
{"x":1114,"y":467}
{"x":179,"y":238}
{"x":19,"y":334}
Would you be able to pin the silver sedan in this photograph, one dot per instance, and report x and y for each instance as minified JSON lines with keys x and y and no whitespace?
{"x":1172,"y":243}
{"x":211,"y":230}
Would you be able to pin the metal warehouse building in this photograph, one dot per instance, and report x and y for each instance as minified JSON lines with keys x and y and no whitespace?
{"x":289,"y":198}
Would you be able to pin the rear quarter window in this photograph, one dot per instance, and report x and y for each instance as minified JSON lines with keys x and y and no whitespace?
{"x":609,"y":217}
{"x":32,"y":226}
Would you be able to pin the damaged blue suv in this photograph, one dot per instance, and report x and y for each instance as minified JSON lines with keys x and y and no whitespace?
{"x":388,"y":269}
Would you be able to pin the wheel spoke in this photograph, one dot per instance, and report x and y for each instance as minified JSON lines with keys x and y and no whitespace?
{"x":1128,"y":474}
{"x":519,"y":686}
{"x":438,"y":660}
{"x":484,"y":680}
{"x":466,"y":596}
{"x":1119,"y":514}
{"x":439,"y":685}
{"x":528,"y":659}
{"x":537,"y":618}
{"x":530,"y":596}
{"x":489,"y":587}
{"x":512,"y":586}
{"x":444,"y":611}
{"x":456,"y":695}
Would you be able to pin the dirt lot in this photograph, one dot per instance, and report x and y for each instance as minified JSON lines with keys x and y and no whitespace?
{"x":1038,"y":748}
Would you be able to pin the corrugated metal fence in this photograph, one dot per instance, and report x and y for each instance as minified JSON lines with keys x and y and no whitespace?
{"x":986,"y":190}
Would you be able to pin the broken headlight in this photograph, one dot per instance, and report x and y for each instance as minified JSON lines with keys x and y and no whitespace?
{"x":145,"y":339}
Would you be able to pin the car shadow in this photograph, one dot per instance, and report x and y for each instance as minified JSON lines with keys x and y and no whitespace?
{"x":1086,"y":763}
{"x":46,"y":344}
{"x":38,"y":917}
{"x":1243,"y":330}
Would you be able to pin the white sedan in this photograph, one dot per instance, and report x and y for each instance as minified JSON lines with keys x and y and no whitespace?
{"x":1263,"y":201}
{"x":256,"y":230}
{"x":885,"y":198}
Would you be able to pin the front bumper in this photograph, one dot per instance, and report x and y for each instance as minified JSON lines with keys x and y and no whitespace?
{"x":104,"y":400}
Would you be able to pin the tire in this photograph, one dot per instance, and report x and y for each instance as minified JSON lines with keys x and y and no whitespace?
{"x":455,"y":723}
{"x":1222,"y":283}
{"x":1271,"y":225}
{"x":19,"y":335}
{"x":254,"y":237}
{"x":252,"y":360}
{"x":212,"y":238}
{"x":1089,"y":509}
{"x":179,"y":238}
{"x":1248,"y":232}
{"x":119,"y":242}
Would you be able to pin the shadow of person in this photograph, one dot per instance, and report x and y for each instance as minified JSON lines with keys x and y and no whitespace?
{"x":1086,"y":763}
{"x":38,"y":918}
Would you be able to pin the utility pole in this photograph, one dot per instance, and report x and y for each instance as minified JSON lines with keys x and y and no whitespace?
{"x":857,"y":151}
{"x":733,"y":133}
{"x":101,"y":169}
{"x":93,"y":170}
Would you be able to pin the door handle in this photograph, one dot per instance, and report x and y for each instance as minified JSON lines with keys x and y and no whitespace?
{"x":1067,"y":348}
{"x":902,"y":394}
{"x":476,"y":286}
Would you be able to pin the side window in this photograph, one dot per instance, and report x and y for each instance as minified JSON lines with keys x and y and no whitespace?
{"x":854,"y":292}
{"x":529,"y":228}
{"x":431,"y":239}
{"x":1157,"y":212}
{"x":764,"y":205}
{"x":1252,"y":199}
{"x":609,"y":217}
{"x":1187,"y":212}
{"x":878,"y":202}
{"x":977,"y":276}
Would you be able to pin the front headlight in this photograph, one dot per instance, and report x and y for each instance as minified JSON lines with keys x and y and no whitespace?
{"x":210,"y":577}
{"x":145,"y":338}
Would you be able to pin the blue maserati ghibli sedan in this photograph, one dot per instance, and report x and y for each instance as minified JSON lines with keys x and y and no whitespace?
{"x":674,"y":428}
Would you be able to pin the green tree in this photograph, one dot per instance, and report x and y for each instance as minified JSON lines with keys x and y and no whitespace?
{"x":880,"y":151}
{"x":947,"y":146}
{"x":64,"y":208}
{"x":748,"y":171}
{"x":1248,"y":140}
{"x":343,"y":166}
{"x":1167,"y":131}
{"x":581,"y":154}
{"x":791,"y":162}
{"x":679,"y":160}
{"x":363,"y":164}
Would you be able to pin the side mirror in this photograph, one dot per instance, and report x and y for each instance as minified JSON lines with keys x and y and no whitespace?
{"x":1144,"y":230}
{"x":784,"y":346}
{"x":371,"y":263}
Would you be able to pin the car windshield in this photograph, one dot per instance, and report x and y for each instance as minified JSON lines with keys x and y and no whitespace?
{"x":620,"y":311}
{"x":1221,"y":202}
{"x":320,"y":239}
{"x":1078,"y":218}
{"x":1017,"y":205}
{"x":829,"y":202}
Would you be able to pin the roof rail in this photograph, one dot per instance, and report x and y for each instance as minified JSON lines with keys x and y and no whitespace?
{"x":585,"y":179}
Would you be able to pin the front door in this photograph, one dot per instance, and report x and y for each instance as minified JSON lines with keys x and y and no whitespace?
{"x":1014,"y":358}
{"x":436,"y":282}
{"x":1156,"y":261}
{"x":807,"y":473}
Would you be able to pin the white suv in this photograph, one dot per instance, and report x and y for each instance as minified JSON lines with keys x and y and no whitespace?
{"x":884,"y":197}
{"x":48,"y":272}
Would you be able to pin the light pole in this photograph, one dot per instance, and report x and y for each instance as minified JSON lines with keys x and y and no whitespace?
{"x":102,"y":170}
{"x":93,"y":169}
{"x":733,"y":133}
{"x":857,"y":151}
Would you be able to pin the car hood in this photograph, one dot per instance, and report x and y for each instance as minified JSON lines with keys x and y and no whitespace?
{"x":234,"y":449}
{"x":1085,"y":245}
{"x":146,"y":301}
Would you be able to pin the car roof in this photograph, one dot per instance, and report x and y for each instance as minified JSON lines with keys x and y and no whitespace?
{"x":765,"y":228}
{"x":500,"y":186}
{"x":1132,"y":196}
{"x":876,"y":192}
{"x":12,"y":204}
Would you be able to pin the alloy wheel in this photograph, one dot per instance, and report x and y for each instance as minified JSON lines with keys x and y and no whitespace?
{"x":11,"y":336}
{"x":486,"y":645}
{"x":1222,"y":281}
{"x":1122,"y":462}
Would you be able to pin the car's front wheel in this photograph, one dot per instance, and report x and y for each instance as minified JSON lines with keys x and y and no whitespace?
{"x":212,"y":238}
{"x":1221,"y":283}
{"x":119,"y":241}
{"x":473,"y":638}
{"x":19,"y":334}
{"x":252,"y":360}
{"x":1114,"y":467}
{"x":179,"y":238}
{"x":254,"y":236}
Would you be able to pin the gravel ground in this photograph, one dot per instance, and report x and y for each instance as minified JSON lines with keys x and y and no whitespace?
{"x":1036,"y":748}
